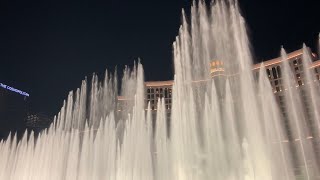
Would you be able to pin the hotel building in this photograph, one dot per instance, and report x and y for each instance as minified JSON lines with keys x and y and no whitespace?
{"x":159,"y":89}
{"x":274,"y":73}
{"x":163,"y":89}
{"x":274,"y":70}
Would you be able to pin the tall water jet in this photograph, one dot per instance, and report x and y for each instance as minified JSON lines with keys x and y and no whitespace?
{"x":313,"y":99}
{"x":301,"y":114}
{"x":191,"y":118}
{"x":273,"y":128}
{"x":293,"y":102}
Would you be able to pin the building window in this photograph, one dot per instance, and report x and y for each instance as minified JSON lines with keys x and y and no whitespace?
{"x":295,"y":62}
{"x":274,"y":72}
{"x":296,"y":68}
{"x":148,"y":90}
{"x":279,"y":71}
{"x":300,"y":83}
{"x":268,"y":72}
{"x":152,"y":90}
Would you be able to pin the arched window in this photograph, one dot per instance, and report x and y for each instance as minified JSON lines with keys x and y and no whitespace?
{"x":268,"y":73}
{"x":274,"y":72}
{"x":279,"y":71}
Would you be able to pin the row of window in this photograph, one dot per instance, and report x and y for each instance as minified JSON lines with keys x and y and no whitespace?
{"x":155,"y":93}
{"x":278,"y":87}
{"x":297,"y":61}
{"x":154,"y":107}
{"x":167,"y":101}
{"x":154,"y":103}
{"x":159,"y":90}
{"x":157,"y":96}
{"x":275,"y":72}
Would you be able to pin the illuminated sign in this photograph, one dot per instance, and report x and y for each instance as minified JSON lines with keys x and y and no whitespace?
{"x":14,"y":89}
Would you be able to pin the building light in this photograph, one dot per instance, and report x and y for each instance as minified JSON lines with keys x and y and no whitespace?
{"x":14,"y":89}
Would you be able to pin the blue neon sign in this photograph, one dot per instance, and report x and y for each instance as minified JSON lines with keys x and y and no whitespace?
{"x":14,"y":89}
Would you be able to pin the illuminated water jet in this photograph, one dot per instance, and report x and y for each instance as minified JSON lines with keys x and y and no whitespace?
{"x":224,"y":127}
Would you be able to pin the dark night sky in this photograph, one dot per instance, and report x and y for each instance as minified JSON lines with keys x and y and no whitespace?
{"x":48,"y":47}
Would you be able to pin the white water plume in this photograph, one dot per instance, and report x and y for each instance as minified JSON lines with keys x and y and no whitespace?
{"x":226,"y":127}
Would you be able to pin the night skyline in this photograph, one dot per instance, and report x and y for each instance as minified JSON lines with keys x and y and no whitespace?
{"x":47,"y":48}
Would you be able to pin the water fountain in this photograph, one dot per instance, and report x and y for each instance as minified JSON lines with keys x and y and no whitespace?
{"x":230,"y":128}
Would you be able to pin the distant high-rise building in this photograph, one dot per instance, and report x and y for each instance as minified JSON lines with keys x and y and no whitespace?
{"x":13,"y":110}
{"x":38,"y":122}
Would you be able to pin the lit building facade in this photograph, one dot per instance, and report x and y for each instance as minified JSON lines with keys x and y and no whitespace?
{"x":274,"y":70}
{"x":217,"y":68}
{"x":163,"y":89}
{"x":154,"y":90}
{"x":158,"y":89}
